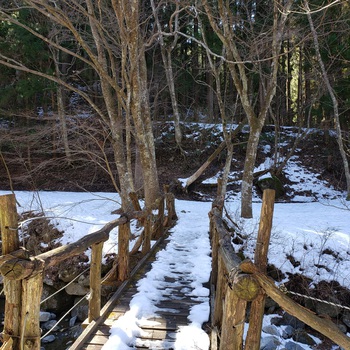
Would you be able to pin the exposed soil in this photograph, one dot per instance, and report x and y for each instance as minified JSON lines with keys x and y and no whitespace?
{"x":44,"y":167}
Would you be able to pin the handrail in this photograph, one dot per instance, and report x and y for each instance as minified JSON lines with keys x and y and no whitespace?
{"x":234,"y":282}
{"x":23,"y":274}
{"x":20,"y":267}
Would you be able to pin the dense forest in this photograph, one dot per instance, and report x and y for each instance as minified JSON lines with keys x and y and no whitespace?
{"x":86,"y":81}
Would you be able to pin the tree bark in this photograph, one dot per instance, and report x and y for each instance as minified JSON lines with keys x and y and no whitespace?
{"x":12,"y":289}
{"x":167,"y":61}
{"x":333,"y":98}
{"x":240,"y":77}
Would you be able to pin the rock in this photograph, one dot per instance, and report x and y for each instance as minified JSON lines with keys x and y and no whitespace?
{"x":271,"y":181}
{"x":69,"y":273}
{"x":346,"y":318}
{"x":49,"y":339}
{"x":287,"y":332}
{"x":288,"y":320}
{"x":58,"y":304}
{"x":76,"y":289}
{"x":84,"y":280}
{"x":271,"y":329}
{"x":72,"y":321}
{"x":81,"y":311}
{"x":44,"y":316}
{"x":342,"y":327}
{"x":293,"y":346}
{"x":327,"y":309}
{"x":269,"y":343}
{"x":302,"y":337}
{"x":270,"y":305}
{"x":50,"y":324}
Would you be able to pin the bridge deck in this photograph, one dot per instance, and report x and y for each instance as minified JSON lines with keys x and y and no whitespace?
{"x":161,"y":329}
{"x":160,"y":333}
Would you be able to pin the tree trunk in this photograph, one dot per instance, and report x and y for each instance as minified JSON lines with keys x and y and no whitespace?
{"x":334,"y":100}
{"x":248,"y":171}
{"x":240,"y":76}
{"x":167,"y":61}
{"x":140,"y":109}
{"x":60,"y":106}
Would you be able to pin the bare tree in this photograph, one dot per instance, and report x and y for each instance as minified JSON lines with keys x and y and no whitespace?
{"x":227,"y":20}
{"x":332,"y":94}
{"x":166,"y":50}
{"x":110,"y":42}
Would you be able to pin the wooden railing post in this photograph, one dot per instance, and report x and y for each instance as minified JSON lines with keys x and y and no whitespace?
{"x":158,"y":228}
{"x":146,"y":246}
{"x":233,"y":289}
{"x":214,"y":236}
{"x":123,"y":251}
{"x":95,"y":282}
{"x":221,"y":286}
{"x":260,"y":260}
{"x":12,"y":289}
{"x":169,"y":206}
{"x":30,"y":315}
{"x":233,"y":322}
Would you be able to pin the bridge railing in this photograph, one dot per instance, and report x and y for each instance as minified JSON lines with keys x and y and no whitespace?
{"x":23,"y":274}
{"x":235,"y":283}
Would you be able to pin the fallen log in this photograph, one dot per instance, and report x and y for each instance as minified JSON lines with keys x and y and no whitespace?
{"x":205,"y":165}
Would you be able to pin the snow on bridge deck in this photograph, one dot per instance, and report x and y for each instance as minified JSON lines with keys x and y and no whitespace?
{"x":169,"y":303}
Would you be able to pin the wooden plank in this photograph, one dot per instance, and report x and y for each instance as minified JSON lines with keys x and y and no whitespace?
{"x":103,"y":330}
{"x":155,"y":344}
{"x":178,"y":315}
{"x":170,"y":324}
{"x":154,"y":334}
{"x":99,"y":339}
{"x":92,"y":347}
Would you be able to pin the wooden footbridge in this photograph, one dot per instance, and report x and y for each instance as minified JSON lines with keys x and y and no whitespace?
{"x":233,"y":284}
{"x":160,"y":329}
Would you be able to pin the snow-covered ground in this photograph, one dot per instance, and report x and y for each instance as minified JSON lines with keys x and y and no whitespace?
{"x":304,"y":229}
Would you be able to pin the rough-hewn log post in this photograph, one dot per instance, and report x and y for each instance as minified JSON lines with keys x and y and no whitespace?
{"x":233,"y":288}
{"x":30,"y":313}
{"x":147,"y":224}
{"x":260,"y":260}
{"x":170,"y":207}
{"x":12,"y":289}
{"x":95,"y":282}
{"x":233,"y":322}
{"x":221,"y":286}
{"x":158,"y":227}
{"x":123,"y":251}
